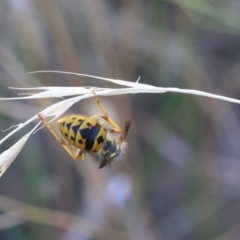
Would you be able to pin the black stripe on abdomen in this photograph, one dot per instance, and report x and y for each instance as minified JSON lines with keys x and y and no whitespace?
{"x":90,"y":134}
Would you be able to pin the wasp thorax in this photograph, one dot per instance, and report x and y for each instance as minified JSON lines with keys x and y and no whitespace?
{"x":111,"y":149}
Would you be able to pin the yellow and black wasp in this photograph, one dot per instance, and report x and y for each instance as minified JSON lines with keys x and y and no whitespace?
{"x":80,"y":135}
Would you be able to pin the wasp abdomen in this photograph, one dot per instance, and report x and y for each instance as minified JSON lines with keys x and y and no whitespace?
{"x":82,"y":132}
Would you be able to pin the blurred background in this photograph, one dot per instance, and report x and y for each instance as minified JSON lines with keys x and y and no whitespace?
{"x":180,"y":176}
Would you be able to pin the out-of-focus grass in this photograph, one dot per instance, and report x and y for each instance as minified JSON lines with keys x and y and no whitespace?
{"x":180,"y":176}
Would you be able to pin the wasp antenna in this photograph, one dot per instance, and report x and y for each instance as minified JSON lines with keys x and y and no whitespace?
{"x":125,"y":131}
{"x":103,"y":163}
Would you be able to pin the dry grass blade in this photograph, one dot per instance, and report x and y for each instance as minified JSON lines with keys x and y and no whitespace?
{"x":56,"y":218}
{"x":9,"y":155}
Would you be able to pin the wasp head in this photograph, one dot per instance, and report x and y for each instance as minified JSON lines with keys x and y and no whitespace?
{"x":112,"y":147}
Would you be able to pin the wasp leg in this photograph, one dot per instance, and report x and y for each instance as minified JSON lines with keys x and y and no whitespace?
{"x":116,"y":128}
{"x":109,"y":120}
{"x":76,"y":152}
{"x":71,"y":151}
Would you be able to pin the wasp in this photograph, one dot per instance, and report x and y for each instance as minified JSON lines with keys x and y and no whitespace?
{"x":80,"y":135}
